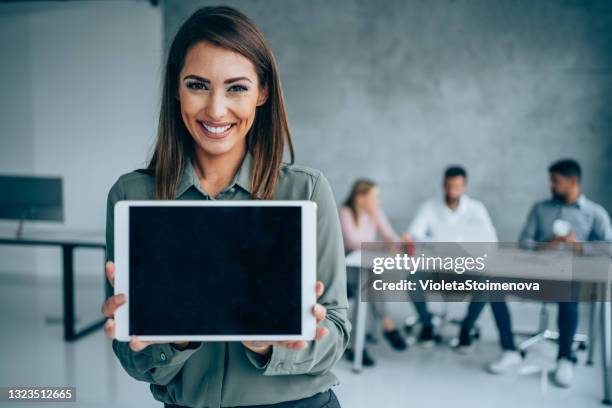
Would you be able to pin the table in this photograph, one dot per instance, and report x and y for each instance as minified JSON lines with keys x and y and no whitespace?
{"x":67,"y":240}
{"x":353,"y":259}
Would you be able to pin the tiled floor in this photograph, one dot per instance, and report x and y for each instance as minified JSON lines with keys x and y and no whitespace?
{"x":32,"y":352}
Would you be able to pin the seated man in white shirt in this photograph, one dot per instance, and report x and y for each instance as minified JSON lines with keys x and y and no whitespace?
{"x":455,"y":217}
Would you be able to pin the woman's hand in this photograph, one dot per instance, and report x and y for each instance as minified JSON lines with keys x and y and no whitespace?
{"x":409,"y":243}
{"x":406,"y":238}
{"x":319,"y":312}
{"x":112,"y":304}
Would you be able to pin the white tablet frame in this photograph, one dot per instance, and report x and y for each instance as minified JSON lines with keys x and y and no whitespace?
{"x":309,"y":267}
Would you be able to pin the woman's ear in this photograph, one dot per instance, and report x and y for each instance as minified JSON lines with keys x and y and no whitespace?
{"x":263,"y":96}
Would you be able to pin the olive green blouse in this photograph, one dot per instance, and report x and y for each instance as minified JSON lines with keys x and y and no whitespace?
{"x":224,"y":374}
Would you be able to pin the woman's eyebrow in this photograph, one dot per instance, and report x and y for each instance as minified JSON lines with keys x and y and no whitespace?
{"x":227,"y":81}
{"x":199,"y":78}
{"x":230,"y":80}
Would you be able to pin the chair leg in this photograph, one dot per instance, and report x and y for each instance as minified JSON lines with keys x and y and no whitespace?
{"x":580,"y":340}
{"x":360,"y":331}
{"x":542,"y":333}
{"x":592,"y":333}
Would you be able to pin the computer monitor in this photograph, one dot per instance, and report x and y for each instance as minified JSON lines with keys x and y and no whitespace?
{"x":31,"y":198}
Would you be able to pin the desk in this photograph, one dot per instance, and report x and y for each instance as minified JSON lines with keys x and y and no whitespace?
{"x":353,"y":259}
{"x":67,"y":241}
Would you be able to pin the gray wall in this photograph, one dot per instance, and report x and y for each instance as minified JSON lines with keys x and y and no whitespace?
{"x":16,"y":120}
{"x":81,"y":85}
{"x":397,"y":90}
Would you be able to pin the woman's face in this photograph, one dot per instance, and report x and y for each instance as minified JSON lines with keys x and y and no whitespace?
{"x":219,"y":93}
{"x":369,"y":201}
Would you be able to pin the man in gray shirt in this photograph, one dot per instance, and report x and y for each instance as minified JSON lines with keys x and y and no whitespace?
{"x":568,"y":218}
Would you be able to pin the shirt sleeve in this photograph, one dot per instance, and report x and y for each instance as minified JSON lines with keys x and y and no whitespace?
{"x":602,"y":229}
{"x":350,"y":233}
{"x":157,"y":363}
{"x":527,"y":239}
{"x":419,"y":226}
{"x":385,"y":230}
{"x":487,"y":224}
{"x":320,"y":355}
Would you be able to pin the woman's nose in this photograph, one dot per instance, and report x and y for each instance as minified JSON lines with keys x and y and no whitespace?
{"x":216,"y":106}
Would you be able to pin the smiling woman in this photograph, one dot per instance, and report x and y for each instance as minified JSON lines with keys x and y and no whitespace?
{"x":219,"y":94}
{"x":222,"y":135}
{"x":220,"y":72}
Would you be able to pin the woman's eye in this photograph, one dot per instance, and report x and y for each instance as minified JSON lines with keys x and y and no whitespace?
{"x":238,"y":88}
{"x":196,"y":86}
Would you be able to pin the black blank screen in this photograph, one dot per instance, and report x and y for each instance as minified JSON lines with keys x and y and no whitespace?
{"x":215,"y":270}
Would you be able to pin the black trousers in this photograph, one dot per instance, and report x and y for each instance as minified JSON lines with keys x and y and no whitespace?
{"x":325,"y":399}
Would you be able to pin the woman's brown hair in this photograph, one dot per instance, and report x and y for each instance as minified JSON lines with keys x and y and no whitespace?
{"x":360,"y":187}
{"x":228,"y":28}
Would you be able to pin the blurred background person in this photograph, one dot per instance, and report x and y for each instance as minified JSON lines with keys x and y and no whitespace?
{"x":584,"y":220}
{"x":454,"y":217}
{"x":362,"y":220}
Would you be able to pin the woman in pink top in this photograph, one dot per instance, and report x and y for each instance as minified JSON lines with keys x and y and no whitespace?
{"x":362,"y":220}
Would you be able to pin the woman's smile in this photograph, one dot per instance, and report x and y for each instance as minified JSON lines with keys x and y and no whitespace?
{"x":216,"y":131}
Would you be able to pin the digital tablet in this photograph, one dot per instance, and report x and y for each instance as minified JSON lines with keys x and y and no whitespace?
{"x":215,"y":270}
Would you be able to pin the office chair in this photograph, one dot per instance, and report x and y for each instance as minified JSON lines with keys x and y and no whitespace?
{"x":544,"y":332}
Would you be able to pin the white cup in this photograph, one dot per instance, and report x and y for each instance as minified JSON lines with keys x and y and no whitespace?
{"x":561,"y":228}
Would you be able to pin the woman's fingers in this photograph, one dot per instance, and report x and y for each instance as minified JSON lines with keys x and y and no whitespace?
{"x":109,"y":328}
{"x":137,"y":345}
{"x":321,"y":332}
{"x":110,"y":272}
{"x":294,"y":345}
{"x":257,"y":344}
{"x":319,"y":312}
{"x":319,"y":288}
{"x":112,"y":303}
{"x":110,"y":306}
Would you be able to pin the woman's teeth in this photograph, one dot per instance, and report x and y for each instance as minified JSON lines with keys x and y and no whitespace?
{"x":213,"y":129}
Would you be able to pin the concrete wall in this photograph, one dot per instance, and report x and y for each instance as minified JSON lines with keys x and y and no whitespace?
{"x":392,"y":90}
{"x":396,"y":90}
{"x":16,"y":116}
{"x":81,"y":84}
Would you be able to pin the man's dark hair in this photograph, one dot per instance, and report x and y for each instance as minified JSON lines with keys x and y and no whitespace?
{"x":566,"y":168}
{"x":454,"y":171}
